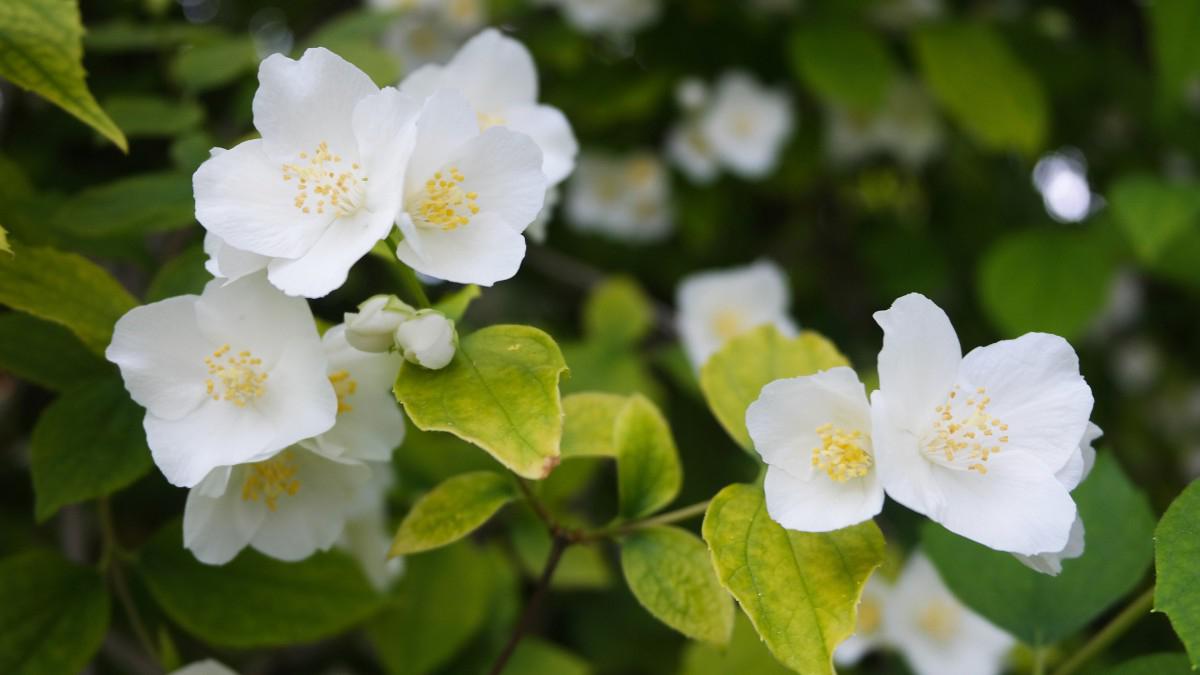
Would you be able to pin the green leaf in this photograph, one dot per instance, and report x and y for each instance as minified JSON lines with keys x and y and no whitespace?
{"x":44,"y":353}
{"x":53,"y":617}
{"x":255,"y":601}
{"x":5,"y":247}
{"x":500,"y":392}
{"x":133,"y":205}
{"x":589,"y":424}
{"x":182,"y":275}
{"x":1173,"y":28}
{"x":733,"y":377}
{"x":41,"y":49}
{"x":671,"y":574}
{"x":214,"y":64}
{"x":983,"y":85}
{"x":1176,"y":553}
{"x":153,"y":116}
{"x":617,"y":312}
{"x":454,"y":305}
{"x":1166,"y":663}
{"x":88,"y":443}
{"x":122,"y":35}
{"x":1154,"y":213}
{"x":440,"y":602}
{"x":1041,"y":609}
{"x":799,"y":589}
{"x":746,"y":653}
{"x":648,"y":471}
{"x":613,"y":368}
{"x":538,"y":657}
{"x":1054,"y":281}
{"x":843,"y":64}
{"x":452,"y":510}
{"x":67,"y":289}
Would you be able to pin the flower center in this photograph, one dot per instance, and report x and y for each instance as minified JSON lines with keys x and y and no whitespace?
{"x":743,"y":124}
{"x":841,"y":455}
{"x":964,"y":432}
{"x":234,"y":377}
{"x":324,"y":182}
{"x":344,"y":386}
{"x":489,"y":120}
{"x":939,"y":619}
{"x":271,"y":479}
{"x":444,"y":203}
{"x":727,"y":323}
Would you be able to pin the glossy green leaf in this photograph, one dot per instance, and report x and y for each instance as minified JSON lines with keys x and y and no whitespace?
{"x":65,"y":288}
{"x":500,"y":392}
{"x":1173,"y":28}
{"x":440,"y":602}
{"x":454,"y":305}
{"x":589,"y":423}
{"x":538,"y":657}
{"x":255,"y":601}
{"x":1166,"y":663}
{"x":1052,"y":281}
{"x":123,"y":35}
{"x":1177,"y":562}
{"x":214,"y":64}
{"x":1041,"y":609}
{"x":88,"y":443}
{"x":143,"y":203}
{"x":746,"y":653}
{"x":671,"y":574}
{"x":41,"y":49}
{"x":843,"y":64}
{"x":799,"y":589}
{"x":982,"y":84}
{"x":1154,"y":213}
{"x":452,"y":510}
{"x":648,"y":472}
{"x":617,"y":312}
{"x":53,"y":617}
{"x":45,"y":353}
{"x":153,"y":115}
{"x":182,"y":275}
{"x":733,"y":377}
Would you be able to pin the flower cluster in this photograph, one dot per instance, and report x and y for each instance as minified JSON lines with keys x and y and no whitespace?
{"x":989,"y":445}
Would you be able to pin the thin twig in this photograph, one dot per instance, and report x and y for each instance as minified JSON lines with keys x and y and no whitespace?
{"x":538,"y":508}
{"x":1133,"y":612}
{"x":558,"y":546}
{"x":635,"y":525}
{"x":111,"y":561}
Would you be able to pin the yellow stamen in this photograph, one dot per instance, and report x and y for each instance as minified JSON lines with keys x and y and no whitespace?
{"x":344,"y":386}
{"x":271,"y":479}
{"x":841,"y":455}
{"x":444,"y":203}
{"x":234,"y":378}
{"x":965,"y":430}
{"x":321,"y":175}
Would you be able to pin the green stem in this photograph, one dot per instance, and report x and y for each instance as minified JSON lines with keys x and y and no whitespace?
{"x":661,"y":519}
{"x":111,"y":561}
{"x":1039,"y":661}
{"x":412,"y":285}
{"x":1122,"y":622}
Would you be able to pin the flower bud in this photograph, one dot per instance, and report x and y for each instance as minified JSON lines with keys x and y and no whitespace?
{"x":427,"y":339}
{"x":372,"y":327}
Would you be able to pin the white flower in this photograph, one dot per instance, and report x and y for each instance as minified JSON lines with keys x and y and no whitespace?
{"x":497,"y":76}
{"x":228,"y":263}
{"x":935,"y":632}
{"x":624,"y":197}
{"x":206,"y":667}
{"x":468,"y":195}
{"x":746,"y":124}
{"x":718,"y":305}
{"x":367,"y":536}
{"x":869,"y":632}
{"x":1071,"y":475}
{"x":689,"y":149}
{"x":369,"y":422}
{"x":288,"y":506}
{"x":906,"y":127}
{"x":975,"y":442}
{"x":230,"y":376}
{"x":814,"y":433}
{"x":319,"y":188}
{"x":461,"y":15}
{"x":609,"y":16}
{"x":428,"y":339}
{"x":372,"y":328}
{"x":421,"y":37}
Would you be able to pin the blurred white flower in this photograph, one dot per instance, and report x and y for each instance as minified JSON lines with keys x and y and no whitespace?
{"x":231,"y":376}
{"x":623,"y":197}
{"x":814,"y":433}
{"x":427,"y":339}
{"x":497,"y":76}
{"x":1061,"y":178}
{"x":869,"y":632}
{"x":317,"y":191}
{"x":537,"y":229}
{"x":936,"y":633}
{"x":905,"y":14}
{"x":368,"y":535}
{"x":467,"y":195}
{"x":975,"y":442}
{"x":429,"y":31}
{"x":715,"y":306}
{"x":373,"y":327}
{"x":618,"y":17}
{"x":206,"y":667}
{"x":746,"y":124}
{"x":907,"y":127}
{"x":689,"y":149}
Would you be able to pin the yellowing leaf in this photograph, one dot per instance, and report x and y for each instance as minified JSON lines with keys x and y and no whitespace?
{"x":648,"y":471}
{"x":41,"y":49}
{"x":452,"y":510}
{"x":588,"y":422}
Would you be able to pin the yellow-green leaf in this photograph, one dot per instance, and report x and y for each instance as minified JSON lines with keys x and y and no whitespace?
{"x":648,"y":471}
{"x":746,"y":653}
{"x":733,"y":377}
{"x":41,"y":49}
{"x":1177,"y":562}
{"x":671,"y":574}
{"x":617,"y":312}
{"x":588,"y":423}
{"x":4,"y":245}
{"x":799,"y":589}
{"x":844,"y":64}
{"x":500,"y":392}
{"x":46,"y":354}
{"x":452,"y":510}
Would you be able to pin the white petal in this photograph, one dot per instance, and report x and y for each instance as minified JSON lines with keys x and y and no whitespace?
{"x":1051,"y":563}
{"x":494,"y":72}
{"x":250,"y":314}
{"x":385,"y":126}
{"x":905,"y":473}
{"x":549,"y":128}
{"x":714,"y":306}
{"x":424,"y":81}
{"x":216,"y":528}
{"x":242,"y":198}
{"x":301,"y":103}
{"x":299,"y":399}
{"x":160,"y":351}
{"x":505,"y":169}
{"x":919,"y":360}
{"x":218,"y":433}
{"x":205,"y":667}
{"x":483,"y":252}
{"x":1080,"y":464}
{"x":324,"y":268}
{"x":818,"y":504}
{"x":445,"y":124}
{"x":227,"y":262}
{"x":1036,"y":389}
